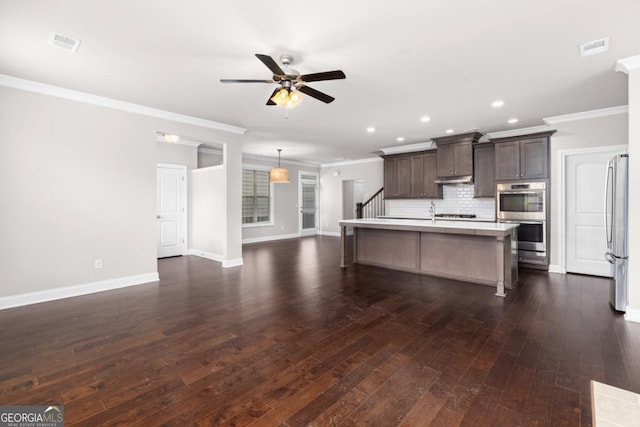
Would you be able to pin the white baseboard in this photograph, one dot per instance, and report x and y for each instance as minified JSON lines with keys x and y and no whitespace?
{"x":232,"y":263}
{"x":270,"y":238}
{"x":555,"y":268}
{"x":329,"y":233}
{"x":74,"y":291}
{"x":205,"y":254}
{"x":632,"y":315}
{"x":216,"y":257}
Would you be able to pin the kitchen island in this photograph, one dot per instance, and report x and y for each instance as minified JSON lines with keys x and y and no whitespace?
{"x":477,"y":252}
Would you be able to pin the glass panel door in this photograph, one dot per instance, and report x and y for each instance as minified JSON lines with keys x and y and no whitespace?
{"x":308,"y":199}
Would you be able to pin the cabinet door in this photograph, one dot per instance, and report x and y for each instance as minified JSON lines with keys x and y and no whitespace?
{"x":403,"y":168}
{"x":430,"y":172}
{"x":462,"y":158}
{"x":417,"y":176}
{"x":446,"y":155}
{"x":390,"y":179}
{"x":507,"y":156}
{"x":484,"y":173}
{"x":534,"y":158}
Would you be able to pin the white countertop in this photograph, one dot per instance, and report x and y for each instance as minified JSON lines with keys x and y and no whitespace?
{"x":425,"y":218}
{"x":440,"y":226}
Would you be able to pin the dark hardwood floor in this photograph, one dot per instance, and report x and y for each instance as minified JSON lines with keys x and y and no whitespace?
{"x":291,"y":339}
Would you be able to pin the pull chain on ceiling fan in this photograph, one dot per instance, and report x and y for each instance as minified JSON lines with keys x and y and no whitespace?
{"x":291,"y":83}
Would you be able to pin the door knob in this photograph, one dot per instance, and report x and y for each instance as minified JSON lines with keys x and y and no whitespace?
{"x":158,"y":216}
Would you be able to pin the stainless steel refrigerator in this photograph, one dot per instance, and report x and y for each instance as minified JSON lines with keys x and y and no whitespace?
{"x":616,"y":225}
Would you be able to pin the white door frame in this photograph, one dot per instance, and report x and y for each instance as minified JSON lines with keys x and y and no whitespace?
{"x":562,"y":199}
{"x":185,"y":189}
{"x":317,"y":183}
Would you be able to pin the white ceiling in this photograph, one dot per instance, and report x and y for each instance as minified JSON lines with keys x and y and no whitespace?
{"x":448,"y":59}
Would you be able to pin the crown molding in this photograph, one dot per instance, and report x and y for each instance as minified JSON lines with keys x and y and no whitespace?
{"x":621,"y":109}
{"x":101,"y":101}
{"x":420,"y":146}
{"x":627,"y":64}
{"x":352,"y":162}
{"x":517,"y":132}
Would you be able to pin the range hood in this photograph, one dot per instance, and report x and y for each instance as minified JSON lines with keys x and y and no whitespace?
{"x":467,"y":179}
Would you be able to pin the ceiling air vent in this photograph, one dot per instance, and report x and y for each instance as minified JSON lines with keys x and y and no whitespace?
{"x":596,"y":46}
{"x":63,"y":42}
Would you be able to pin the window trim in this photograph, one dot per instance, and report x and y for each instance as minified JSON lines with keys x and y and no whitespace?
{"x":271,"y":221}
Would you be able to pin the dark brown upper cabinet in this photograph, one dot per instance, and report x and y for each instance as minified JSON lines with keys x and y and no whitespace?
{"x":523,"y":157}
{"x":484,"y":175}
{"x":423,"y":176}
{"x":455,"y":155}
{"x":397,"y":177}
{"x":411,"y":176}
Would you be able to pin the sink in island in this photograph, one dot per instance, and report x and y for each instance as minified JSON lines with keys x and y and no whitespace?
{"x":477,"y":252}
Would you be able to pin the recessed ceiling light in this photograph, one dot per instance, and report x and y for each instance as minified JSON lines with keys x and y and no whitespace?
{"x":371,"y":129}
{"x":400,"y":138}
{"x":497,"y":103}
{"x":512,"y":121}
{"x":449,"y":131}
{"x":425,"y":119}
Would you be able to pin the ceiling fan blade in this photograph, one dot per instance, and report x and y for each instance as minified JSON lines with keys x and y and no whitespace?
{"x":315,"y":94}
{"x":270,"y":102}
{"x":327,"y":75}
{"x":244,"y":81}
{"x":270,"y":63}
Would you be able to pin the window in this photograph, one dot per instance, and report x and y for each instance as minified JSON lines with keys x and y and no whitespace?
{"x":256,"y":197}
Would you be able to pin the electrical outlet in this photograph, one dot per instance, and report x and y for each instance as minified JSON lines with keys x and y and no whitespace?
{"x":98,"y":263}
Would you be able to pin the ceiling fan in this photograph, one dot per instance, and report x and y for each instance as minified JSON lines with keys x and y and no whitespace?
{"x":290,"y":82}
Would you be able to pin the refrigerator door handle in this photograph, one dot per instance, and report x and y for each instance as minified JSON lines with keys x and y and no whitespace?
{"x":608,"y":205}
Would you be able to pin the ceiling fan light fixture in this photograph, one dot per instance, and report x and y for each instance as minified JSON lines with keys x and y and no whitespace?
{"x":287,"y":98}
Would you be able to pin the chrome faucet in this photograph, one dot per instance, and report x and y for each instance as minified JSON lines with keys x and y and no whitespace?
{"x":432,"y":211}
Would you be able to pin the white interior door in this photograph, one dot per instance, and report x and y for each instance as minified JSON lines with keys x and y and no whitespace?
{"x":585,"y":234}
{"x":308,"y":202}
{"x":171,"y":210}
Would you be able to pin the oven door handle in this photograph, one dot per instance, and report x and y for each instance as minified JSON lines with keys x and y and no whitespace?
{"x":522,"y":222}
{"x":522,"y":192}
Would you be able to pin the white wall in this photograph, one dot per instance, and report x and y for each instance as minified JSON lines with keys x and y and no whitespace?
{"x":209,"y":218}
{"x":578,"y":134}
{"x":370,"y":171}
{"x":79,"y":183}
{"x":633,"y":310}
{"x":286,"y":212}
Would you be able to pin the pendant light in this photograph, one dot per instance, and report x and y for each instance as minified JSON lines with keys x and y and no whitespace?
{"x":279,"y":175}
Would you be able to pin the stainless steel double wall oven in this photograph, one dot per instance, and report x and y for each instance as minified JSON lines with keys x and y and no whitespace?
{"x":525,"y":203}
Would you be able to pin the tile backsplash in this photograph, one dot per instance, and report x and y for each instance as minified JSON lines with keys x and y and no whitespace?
{"x":458,"y":199}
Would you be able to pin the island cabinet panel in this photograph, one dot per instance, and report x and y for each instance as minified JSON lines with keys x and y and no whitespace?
{"x":397,"y":177}
{"x":484,"y":175}
{"x":388,"y":248}
{"x":423,"y":176}
{"x":459,"y":257}
{"x":522,"y":158}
